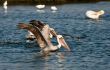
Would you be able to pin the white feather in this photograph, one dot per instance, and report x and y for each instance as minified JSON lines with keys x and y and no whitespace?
{"x":94,"y":15}
{"x":54,"y":8}
{"x":5,"y":5}
{"x":40,"y":6}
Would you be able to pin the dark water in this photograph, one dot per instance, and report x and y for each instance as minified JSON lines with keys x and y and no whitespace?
{"x":88,"y":39}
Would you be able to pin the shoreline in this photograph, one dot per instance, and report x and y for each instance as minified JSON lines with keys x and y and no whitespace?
{"x":46,"y":2}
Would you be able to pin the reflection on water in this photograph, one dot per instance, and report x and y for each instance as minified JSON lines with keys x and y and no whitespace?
{"x":54,"y":11}
{"x":89,"y":40}
{"x":41,"y":11}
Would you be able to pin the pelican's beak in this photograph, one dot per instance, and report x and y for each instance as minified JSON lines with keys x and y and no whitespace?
{"x":20,"y":25}
{"x":63,"y":43}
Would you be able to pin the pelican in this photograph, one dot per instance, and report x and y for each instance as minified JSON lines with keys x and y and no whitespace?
{"x":44,"y":40}
{"x":54,"y":8}
{"x":40,"y":6}
{"x":47,"y":33}
{"x":5,"y":5}
{"x":94,"y":15}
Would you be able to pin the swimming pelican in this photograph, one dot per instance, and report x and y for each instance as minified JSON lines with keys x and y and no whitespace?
{"x":44,"y":41}
{"x":94,"y":15}
{"x":54,"y":8}
{"x":40,"y":6}
{"x":5,"y":5}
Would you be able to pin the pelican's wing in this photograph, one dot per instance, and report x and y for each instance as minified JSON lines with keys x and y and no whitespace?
{"x":63,"y":43}
{"x":46,"y":32}
{"x":39,"y":37}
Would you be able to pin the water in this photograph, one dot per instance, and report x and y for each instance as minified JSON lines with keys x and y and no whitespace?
{"x":88,"y":39}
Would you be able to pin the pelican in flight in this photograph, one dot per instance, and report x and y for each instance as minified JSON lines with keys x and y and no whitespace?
{"x":48,"y":33}
{"x":93,"y":14}
{"x":44,"y":41}
{"x":5,"y":6}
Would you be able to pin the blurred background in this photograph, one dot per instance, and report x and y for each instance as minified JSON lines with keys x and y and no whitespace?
{"x":47,"y":2}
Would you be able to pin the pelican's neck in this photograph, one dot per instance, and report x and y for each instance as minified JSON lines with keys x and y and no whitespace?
{"x":59,"y":44}
{"x":51,"y":45}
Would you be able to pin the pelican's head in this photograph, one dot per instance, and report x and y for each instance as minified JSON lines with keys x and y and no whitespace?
{"x":62,"y":42}
{"x":101,"y":12}
{"x":23,"y":26}
{"x":37,"y":23}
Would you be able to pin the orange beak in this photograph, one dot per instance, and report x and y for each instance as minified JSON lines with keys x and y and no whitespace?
{"x":63,"y":43}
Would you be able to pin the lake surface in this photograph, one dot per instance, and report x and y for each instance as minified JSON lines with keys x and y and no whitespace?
{"x":88,"y":39}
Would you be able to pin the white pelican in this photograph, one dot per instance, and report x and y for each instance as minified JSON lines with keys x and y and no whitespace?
{"x":40,"y":6}
{"x":94,"y":15}
{"x":44,"y":40}
{"x":54,"y":8}
{"x":5,"y":6}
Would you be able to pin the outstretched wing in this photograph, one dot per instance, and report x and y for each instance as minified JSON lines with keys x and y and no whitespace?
{"x":46,"y":32}
{"x":39,"y":37}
